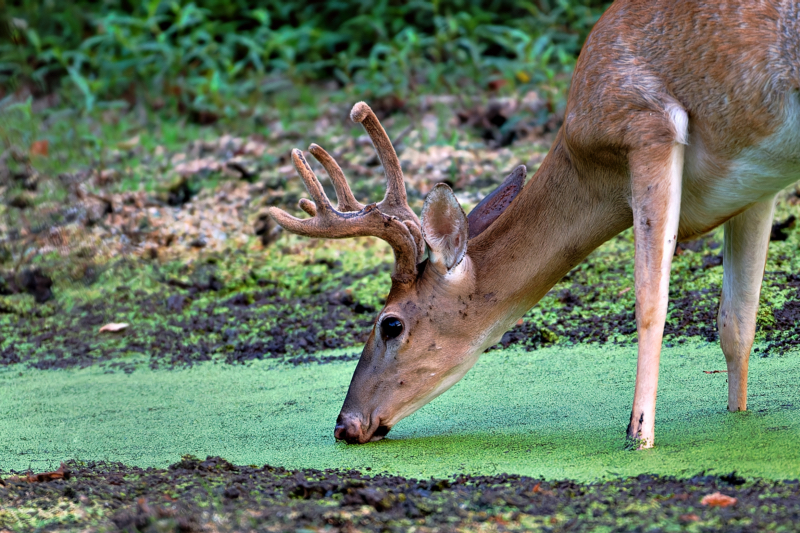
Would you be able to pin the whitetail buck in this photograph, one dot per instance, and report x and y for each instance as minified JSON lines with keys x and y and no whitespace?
{"x":682,"y":115}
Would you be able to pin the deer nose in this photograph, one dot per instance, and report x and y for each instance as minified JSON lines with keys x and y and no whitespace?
{"x":348,"y":429}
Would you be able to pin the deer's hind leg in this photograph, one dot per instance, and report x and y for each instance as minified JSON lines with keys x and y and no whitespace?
{"x":744,"y":259}
{"x":656,"y":169}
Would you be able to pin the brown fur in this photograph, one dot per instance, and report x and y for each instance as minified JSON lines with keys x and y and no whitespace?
{"x":732,"y":67}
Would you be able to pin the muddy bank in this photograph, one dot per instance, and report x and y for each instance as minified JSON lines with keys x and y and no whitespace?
{"x":212,"y":494}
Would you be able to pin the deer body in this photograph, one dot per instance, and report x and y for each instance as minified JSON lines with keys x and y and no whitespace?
{"x":681,"y":116}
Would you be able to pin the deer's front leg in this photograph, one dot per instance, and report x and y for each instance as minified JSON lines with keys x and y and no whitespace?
{"x":744,"y":257}
{"x":656,"y":200}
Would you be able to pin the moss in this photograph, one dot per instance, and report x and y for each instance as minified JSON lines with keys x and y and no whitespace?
{"x":558,"y":412}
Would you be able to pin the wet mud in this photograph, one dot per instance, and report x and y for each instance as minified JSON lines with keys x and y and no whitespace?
{"x":214,"y":495}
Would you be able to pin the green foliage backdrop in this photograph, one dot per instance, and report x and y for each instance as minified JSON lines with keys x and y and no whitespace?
{"x":210,"y":53}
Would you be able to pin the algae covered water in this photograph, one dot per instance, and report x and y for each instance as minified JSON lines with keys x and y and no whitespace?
{"x":557,"y":413}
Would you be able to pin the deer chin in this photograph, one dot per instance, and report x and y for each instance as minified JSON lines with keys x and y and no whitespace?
{"x":380,"y":433}
{"x":450,"y":379}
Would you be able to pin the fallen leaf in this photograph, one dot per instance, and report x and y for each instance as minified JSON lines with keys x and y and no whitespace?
{"x":537,"y":489}
{"x":114,"y":327}
{"x":130,"y":144}
{"x":717,"y":500}
{"x":106,"y":176}
{"x":41,"y":148}
{"x":61,"y":473}
{"x":499,"y":520}
{"x":714,"y":371}
{"x":689,"y":517}
{"x":195,"y":166}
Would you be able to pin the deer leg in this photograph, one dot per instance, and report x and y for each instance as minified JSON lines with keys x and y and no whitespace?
{"x":656,"y":174}
{"x":744,"y":259}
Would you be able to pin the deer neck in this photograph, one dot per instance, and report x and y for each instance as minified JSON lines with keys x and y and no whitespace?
{"x":561,"y":215}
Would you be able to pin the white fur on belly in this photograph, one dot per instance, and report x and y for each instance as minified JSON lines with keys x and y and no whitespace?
{"x":756,"y":174}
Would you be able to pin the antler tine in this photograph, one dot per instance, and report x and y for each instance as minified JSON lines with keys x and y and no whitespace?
{"x":395,"y":202}
{"x":313,"y":186}
{"x":344,"y":196}
{"x":328,"y":222}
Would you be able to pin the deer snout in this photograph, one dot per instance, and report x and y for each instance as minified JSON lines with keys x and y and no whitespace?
{"x":348,"y":429}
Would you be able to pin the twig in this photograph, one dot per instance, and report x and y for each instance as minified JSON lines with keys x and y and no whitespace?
{"x":61,"y":473}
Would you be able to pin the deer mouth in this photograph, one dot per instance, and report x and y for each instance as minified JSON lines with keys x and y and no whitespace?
{"x":381,"y":432}
{"x":350,"y":429}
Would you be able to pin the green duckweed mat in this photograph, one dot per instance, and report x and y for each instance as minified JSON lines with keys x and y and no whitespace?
{"x":558,"y":412}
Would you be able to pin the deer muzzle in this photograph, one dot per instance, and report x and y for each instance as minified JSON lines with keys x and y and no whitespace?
{"x":350,"y":429}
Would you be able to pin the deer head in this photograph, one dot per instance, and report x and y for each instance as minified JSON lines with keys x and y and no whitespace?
{"x":434,"y":325}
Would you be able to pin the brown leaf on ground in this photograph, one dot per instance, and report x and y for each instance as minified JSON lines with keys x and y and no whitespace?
{"x":715,"y":371}
{"x":255,"y":147}
{"x":106,"y":176}
{"x":196,"y":166}
{"x":129,"y":144}
{"x":113,"y":327}
{"x":718,"y":500}
{"x":61,"y":473}
{"x":537,"y":489}
{"x":41,"y":148}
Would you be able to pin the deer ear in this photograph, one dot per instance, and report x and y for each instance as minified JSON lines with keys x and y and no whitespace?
{"x":491,"y":207}
{"x":444,"y":227}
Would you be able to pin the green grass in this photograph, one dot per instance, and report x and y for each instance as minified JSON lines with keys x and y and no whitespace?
{"x":557,"y":412}
{"x":221,"y":57}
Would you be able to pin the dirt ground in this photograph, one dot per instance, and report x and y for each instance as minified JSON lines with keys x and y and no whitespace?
{"x":214,"y":495}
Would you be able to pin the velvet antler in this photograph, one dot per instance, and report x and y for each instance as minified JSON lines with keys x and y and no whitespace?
{"x":391,"y":219}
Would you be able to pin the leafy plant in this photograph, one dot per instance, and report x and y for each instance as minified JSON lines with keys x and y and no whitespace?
{"x":217,"y":55}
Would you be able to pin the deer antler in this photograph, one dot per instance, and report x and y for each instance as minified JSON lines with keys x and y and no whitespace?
{"x":391,"y":219}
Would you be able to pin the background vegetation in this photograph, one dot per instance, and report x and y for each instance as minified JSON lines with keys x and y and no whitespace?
{"x":149,"y":308}
{"x":218,"y":55}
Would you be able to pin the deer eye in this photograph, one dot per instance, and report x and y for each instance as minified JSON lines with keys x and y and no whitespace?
{"x":391,"y":327}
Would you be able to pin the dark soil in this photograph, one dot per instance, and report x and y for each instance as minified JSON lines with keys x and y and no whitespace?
{"x":786,"y":318}
{"x":691,"y":315}
{"x":197,"y":495}
{"x":202,"y":318}
{"x":187,"y":333}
